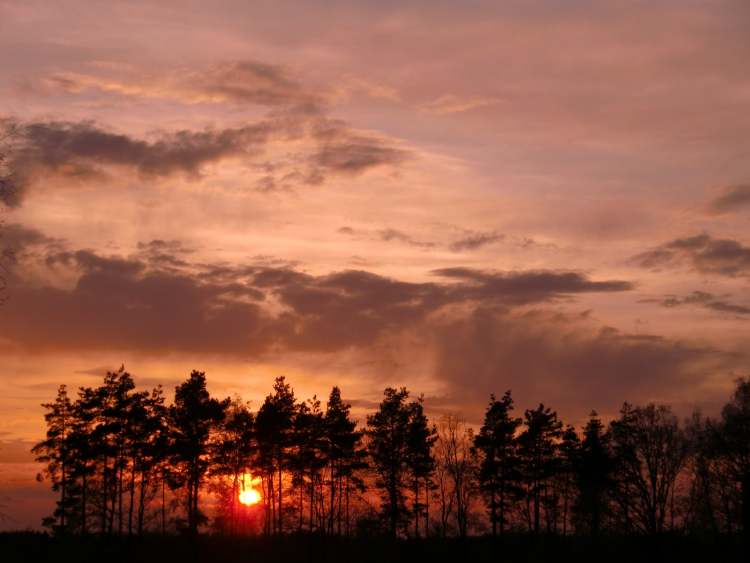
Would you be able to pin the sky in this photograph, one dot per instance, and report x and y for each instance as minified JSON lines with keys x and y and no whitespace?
{"x":459,"y":197}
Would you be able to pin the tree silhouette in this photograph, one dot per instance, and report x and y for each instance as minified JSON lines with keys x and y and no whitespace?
{"x":732,"y":443}
{"x":649,"y":450}
{"x":308,"y":461}
{"x":420,"y":439}
{"x":233,"y":453}
{"x":456,"y":456}
{"x":499,"y":469}
{"x":193,"y":416}
{"x":593,"y":477}
{"x":54,"y":452}
{"x":274,"y":432}
{"x":538,"y":445}
{"x":346,"y":459}
{"x":387,"y":430}
{"x":120,"y":460}
{"x":569,"y":452}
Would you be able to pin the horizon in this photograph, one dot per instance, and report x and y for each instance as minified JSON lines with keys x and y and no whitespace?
{"x":458,"y":199}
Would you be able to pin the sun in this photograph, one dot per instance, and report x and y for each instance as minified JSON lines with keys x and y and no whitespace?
{"x":249,"y":495}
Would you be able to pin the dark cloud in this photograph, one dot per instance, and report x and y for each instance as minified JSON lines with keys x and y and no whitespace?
{"x":485,"y":331}
{"x":356,"y":155}
{"x":471,"y":241}
{"x":705,"y":254}
{"x":475,"y":240}
{"x":526,"y":286}
{"x":122,"y":304}
{"x":542,"y":355}
{"x":387,"y":235}
{"x":344,"y":151}
{"x":394,"y":234}
{"x":253,"y":82}
{"x":732,"y":199}
{"x":19,"y":237}
{"x":152,"y":305}
{"x":703,"y":299}
{"x":85,"y":151}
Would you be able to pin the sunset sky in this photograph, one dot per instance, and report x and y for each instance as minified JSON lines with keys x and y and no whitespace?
{"x":460,"y":197}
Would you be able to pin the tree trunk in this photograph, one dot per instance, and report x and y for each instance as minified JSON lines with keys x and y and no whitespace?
{"x":280,"y":515}
{"x":84,"y":492}
{"x":746,"y":509}
{"x":163,"y":507}
{"x":132,"y":499}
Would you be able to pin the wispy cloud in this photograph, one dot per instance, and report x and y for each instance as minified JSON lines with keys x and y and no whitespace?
{"x":732,"y":199}
{"x":449,"y":104}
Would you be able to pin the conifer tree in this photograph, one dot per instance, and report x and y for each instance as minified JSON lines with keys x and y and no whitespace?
{"x":387,"y":430}
{"x":538,"y":450}
{"x":54,"y":452}
{"x":593,"y":477}
{"x":420,"y":461}
{"x":499,"y":471}
{"x":233,"y":453}
{"x":194,"y":415}
{"x":274,"y":432}
{"x":346,"y":458}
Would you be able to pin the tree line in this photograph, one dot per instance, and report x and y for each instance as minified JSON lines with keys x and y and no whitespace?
{"x":124,"y":462}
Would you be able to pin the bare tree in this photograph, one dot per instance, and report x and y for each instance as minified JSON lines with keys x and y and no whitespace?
{"x":457,"y":466}
{"x":650,"y":450}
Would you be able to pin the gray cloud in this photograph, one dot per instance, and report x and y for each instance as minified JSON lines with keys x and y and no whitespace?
{"x":156,"y":300}
{"x":527,"y":286}
{"x":475,"y":240}
{"x":733,"y":198}
{"x":343,"y":151}
{"x":85,"y":152}
{"x":394,"y":234}
{"x":705,"y":254}
{"x":540,"y":354}
{"x":703,"y":299}
{"x":485,"y":331}
{"x":471,"y":241}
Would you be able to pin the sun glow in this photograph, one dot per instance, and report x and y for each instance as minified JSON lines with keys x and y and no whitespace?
{"x":249,"y":495}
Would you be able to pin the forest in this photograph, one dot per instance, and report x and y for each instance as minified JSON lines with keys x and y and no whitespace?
{"x":125,"y":463}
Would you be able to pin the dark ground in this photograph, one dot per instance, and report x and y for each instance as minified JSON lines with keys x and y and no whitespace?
{"x":39,"y":548}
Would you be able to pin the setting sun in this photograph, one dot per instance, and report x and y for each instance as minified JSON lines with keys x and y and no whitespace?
{"x":249,"y":495}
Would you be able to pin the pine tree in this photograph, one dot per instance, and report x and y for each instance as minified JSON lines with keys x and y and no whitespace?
{"x":193,"y":416}
{"x":387,"y":430}
{"x":346,"y":458}
{"x":54,"y":452}
{"x":499,"y":470}
{"x":569,"y":452}
{"x":593,"y":477}
{"x":274,"y":432}
{"x":420,"y":461}
{"x":538,"y":449}
{"x":233,"y":454}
